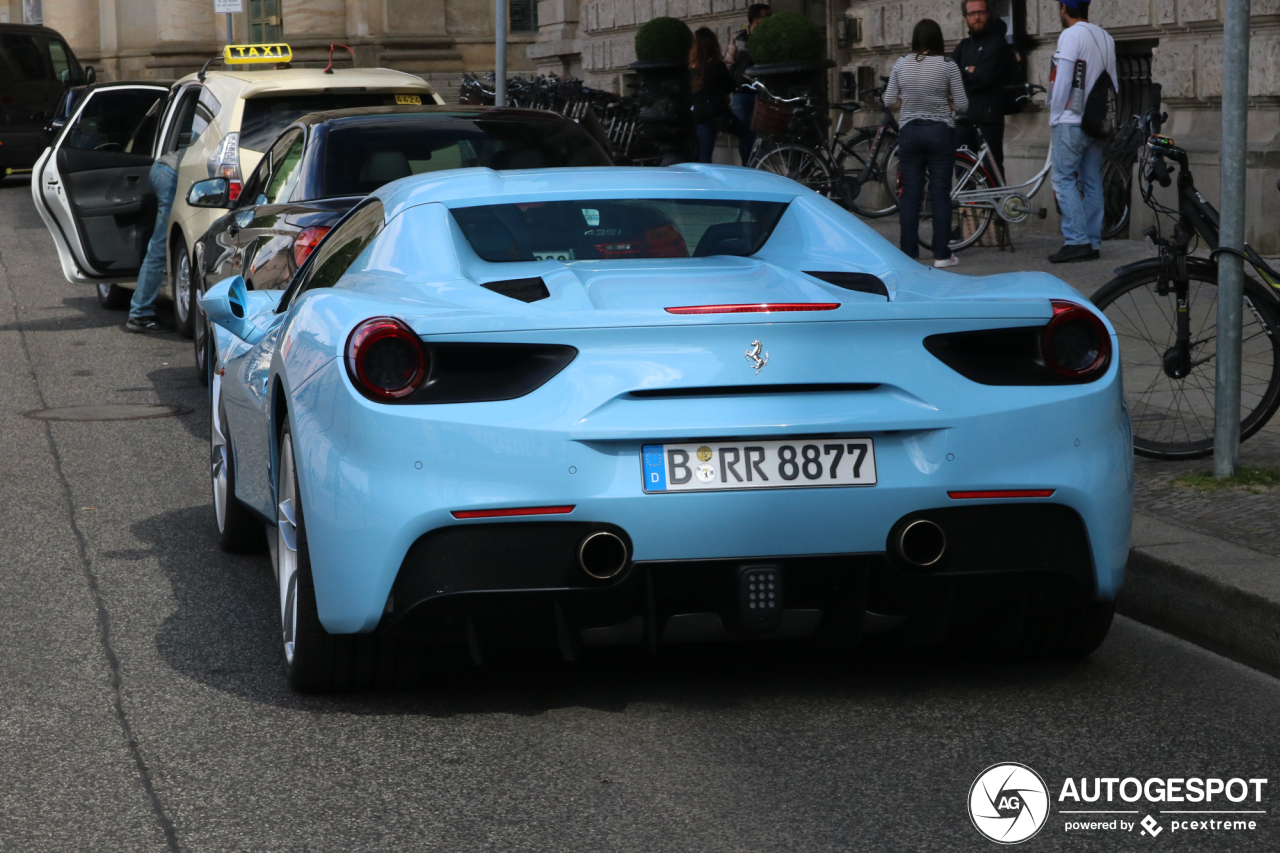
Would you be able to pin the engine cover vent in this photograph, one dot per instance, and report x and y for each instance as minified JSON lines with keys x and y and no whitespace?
{"x":524,"y":289}
{"x":859,"y":281}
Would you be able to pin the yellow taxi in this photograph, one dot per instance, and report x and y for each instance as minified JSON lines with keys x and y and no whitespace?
{"x":91,"y":185}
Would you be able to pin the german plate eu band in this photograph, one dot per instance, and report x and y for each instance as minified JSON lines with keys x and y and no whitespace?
{"x":782,"y":464}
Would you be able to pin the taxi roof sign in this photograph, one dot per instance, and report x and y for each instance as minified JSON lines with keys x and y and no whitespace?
{"x":244,"y":54}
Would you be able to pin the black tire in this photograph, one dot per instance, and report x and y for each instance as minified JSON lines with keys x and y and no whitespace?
{"x":182,"y":287}
{"x":968,"y":222}
{"x":798,"y":162}
{"x":316,"y":661}
{"x":239,"y":531}
{"x":113,"y":297}
{"x":1115,"y":196}
{"x":1173,"y":418}
{"x":874,"y":198}
{"x":1053,"y":631}
{"x":202,"y":342}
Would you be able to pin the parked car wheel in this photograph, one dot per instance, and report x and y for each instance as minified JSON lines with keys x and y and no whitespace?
{"x":183,"y":293}
{"x":113,"y":297}
{"x":238,"y":530}
{"x":202,"y":342}
{"x":316,"y":661}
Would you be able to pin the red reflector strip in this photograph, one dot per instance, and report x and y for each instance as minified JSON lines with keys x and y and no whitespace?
{"x":1002,"y":493}
{"x":507,"y":513}
{"x":758,"y":308}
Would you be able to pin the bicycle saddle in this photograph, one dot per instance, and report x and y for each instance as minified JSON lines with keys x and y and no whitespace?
{"x":849,"y":107}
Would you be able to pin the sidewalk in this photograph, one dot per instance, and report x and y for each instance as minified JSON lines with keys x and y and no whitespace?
{"x":1203,"y":565}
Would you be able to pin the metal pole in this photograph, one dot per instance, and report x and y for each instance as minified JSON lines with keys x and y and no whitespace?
{"x":1235,"y":123}
{"x":500,"y":53}
{"x":229,"y":39}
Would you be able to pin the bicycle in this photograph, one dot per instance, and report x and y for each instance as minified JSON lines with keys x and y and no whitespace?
{"x":869,"y":183}
{"x":1165,"y":310}
{"x":979,"y":192}
{"x":801,"y":149}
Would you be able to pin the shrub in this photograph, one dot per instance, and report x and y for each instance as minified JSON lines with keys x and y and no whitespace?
{"x":665,"y":39}
{"x":786,"y":37}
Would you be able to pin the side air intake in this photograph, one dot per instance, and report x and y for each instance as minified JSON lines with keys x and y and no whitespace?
{"x":524,"y":289}
{"x":859,"y":281}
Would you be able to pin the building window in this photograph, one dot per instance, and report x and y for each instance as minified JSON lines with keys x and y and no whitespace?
{"x":265,"y":24}
{"x":524,"y":16}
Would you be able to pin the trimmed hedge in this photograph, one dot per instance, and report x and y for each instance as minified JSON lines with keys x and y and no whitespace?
{"x":785,"y":37}
{"x":667,"y":39}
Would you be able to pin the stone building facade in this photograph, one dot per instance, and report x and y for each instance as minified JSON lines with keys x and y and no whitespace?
{"x":165,"y":39}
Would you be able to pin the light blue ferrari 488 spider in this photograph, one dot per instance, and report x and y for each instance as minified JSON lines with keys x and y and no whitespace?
{"x":647,"y":407}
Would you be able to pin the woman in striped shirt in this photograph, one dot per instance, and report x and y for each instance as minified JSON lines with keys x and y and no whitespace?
{"x":927,"y":84}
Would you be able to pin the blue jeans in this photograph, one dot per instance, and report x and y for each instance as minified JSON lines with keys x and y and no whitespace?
{"x":1077,"y":167}
{"x":164,"y":182}
{"x":743,"y":104}
{"x":706,"y":142}
{"x":926,"y":147}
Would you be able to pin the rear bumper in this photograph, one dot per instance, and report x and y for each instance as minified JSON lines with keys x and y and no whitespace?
{"x":517,"y":584}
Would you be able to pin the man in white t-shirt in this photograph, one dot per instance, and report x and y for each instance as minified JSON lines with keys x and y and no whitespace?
{"x":1084,"y":51}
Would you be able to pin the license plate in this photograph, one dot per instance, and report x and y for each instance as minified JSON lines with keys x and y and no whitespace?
{"x":785,"y":464}
{"x":408,"y":99}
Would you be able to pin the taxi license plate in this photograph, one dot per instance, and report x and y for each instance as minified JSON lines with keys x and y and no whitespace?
{"x":409,"y":99}
{"x":784,"y":464}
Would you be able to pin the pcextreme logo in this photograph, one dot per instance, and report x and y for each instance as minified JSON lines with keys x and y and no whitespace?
{"x":1010,"y":803}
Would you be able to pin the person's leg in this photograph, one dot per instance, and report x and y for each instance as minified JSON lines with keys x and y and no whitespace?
{"x":1069,"y":143}
{"x":706,"y":142}
{"x":1091,"y":183}
{"x":911,"y":158}
{"x":743,"y":105}
{"x":164,"y":182}
{"x":993,"y":130}
{"x":942,"y":159}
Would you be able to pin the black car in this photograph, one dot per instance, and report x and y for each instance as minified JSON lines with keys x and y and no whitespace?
{"x":322,"y":165}
{"x":36,"y":69}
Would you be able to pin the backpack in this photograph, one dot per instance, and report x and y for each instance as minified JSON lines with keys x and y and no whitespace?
{"x":1101,"y":117}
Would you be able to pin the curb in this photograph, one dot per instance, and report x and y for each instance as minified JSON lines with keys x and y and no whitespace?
{"x":1218,"y":595}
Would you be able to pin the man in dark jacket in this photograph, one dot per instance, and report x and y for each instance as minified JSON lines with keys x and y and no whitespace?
{"x":985,"y":60}
{"x":739,"y":60}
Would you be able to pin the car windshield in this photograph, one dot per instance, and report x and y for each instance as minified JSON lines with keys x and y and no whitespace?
{"x":363,"y":156}
{"x":264,"y":118}
{"x":617,"y":229}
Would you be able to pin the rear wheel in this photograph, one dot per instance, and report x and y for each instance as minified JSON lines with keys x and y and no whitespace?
{"x":183,"y":292}
{"x":969,"y":220}
{"x":239,"y":532}
{"x":113,"y":297}
{"x":202,"y":341}
{"x":1115,"y":196}
{"x":316,"y":661}
{"x":1171,"y":411}
{"x":800,"y":163}
{"x":876,"y":197}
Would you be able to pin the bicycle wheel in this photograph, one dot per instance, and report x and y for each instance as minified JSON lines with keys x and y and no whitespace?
{"x":1115,"y":196}
{"x":968,"y":221}
{"x":874,"y":198}
{"x":798,"y":162}
{"x":1172,"y":418}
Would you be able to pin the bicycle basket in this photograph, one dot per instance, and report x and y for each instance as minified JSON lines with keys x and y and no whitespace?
{"x":770,"y":118}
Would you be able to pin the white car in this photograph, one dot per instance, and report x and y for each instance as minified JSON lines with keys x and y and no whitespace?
{"x":92,"y":189}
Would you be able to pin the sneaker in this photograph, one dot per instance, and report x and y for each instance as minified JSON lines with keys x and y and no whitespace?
{"x":1074,"y":252}
{"x":145,"y":325}
{"x":949,"y":262}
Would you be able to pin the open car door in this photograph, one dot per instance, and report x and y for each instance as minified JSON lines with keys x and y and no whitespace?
{"x":92,"y":186}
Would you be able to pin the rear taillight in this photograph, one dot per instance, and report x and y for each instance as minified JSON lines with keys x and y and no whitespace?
{"x":306,"y":241}
{"x":385,"y":359}
{"x":224,"y":162}
{"x":1075,"y":344}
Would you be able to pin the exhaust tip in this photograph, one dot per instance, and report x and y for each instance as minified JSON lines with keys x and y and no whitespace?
{"x":602,"y":554}
{"x":921,"y":543}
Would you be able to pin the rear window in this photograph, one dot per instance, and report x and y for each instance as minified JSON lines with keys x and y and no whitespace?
{"x":618,"y":229}
{"x":360,"y":158}
{"x":265,"y":118}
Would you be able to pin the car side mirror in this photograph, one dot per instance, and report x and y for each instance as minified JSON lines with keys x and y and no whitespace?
{"x":211,"y":193}
{"x":90,"y":75}
{"x":230,"y":305}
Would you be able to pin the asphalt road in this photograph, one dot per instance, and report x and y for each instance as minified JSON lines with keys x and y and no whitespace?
{"x":142,"y":705}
